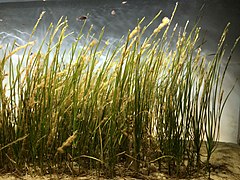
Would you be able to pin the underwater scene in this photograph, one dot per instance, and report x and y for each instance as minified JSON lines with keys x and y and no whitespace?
{"x":114,"y":89}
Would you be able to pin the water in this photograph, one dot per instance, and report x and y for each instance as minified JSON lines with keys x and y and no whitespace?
{"x":17,"y":18}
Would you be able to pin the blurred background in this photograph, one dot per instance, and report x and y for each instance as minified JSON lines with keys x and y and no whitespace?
{"x":17,"y":18}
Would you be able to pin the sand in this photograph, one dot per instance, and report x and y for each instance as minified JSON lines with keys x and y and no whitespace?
{"x":225,"y":161}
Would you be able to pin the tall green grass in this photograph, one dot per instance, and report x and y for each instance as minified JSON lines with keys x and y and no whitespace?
{"x":146,"y":101}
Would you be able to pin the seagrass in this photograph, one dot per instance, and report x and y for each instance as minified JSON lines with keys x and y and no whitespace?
{"x":147,"y":101}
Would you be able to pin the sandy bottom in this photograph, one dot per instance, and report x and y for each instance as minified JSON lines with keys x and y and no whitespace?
{"x":225,"y":165}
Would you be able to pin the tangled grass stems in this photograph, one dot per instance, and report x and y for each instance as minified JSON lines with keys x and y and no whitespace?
{"x":145,"y":102}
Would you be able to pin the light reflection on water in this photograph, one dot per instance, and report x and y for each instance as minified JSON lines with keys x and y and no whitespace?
{"x":17,"y":20}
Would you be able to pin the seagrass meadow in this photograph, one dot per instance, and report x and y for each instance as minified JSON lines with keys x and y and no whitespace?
{"x":148,"y":101}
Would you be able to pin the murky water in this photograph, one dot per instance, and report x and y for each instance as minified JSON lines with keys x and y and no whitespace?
{"x":17,"y":18}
